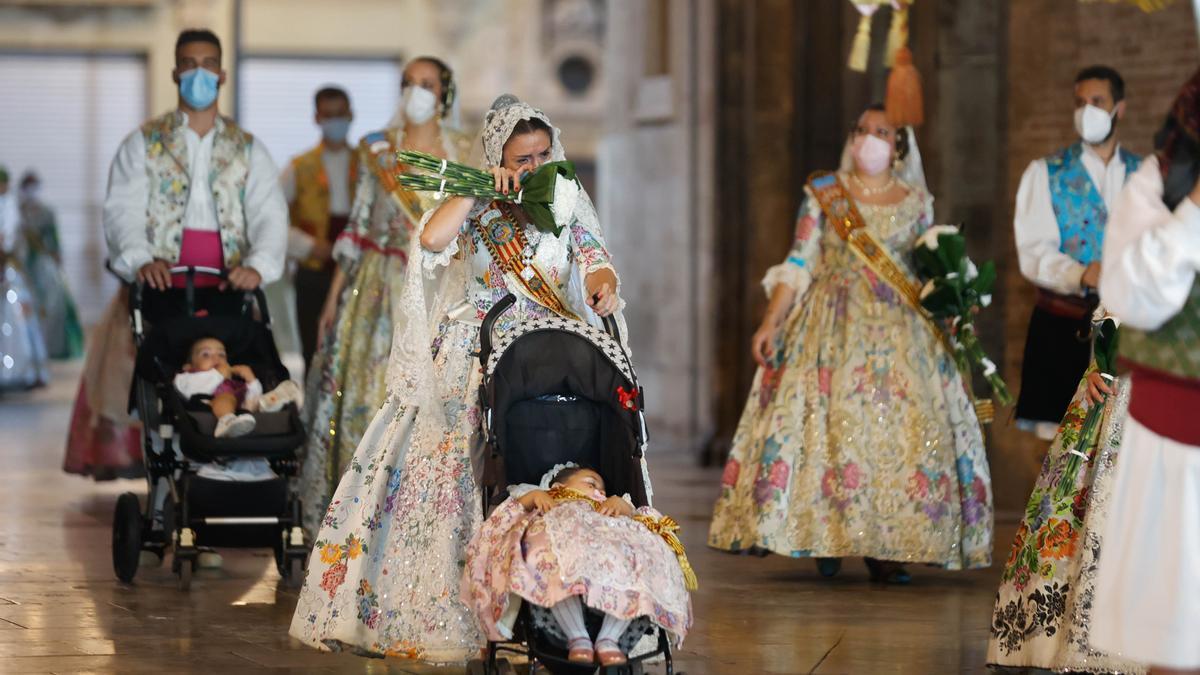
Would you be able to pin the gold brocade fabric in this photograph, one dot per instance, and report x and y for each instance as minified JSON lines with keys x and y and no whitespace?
{"x":859,"y":438}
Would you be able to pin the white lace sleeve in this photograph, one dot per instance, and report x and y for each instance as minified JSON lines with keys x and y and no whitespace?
{"x":431,"y":260}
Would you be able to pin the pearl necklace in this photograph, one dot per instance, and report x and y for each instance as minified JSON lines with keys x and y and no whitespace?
{"x":870,"y":191}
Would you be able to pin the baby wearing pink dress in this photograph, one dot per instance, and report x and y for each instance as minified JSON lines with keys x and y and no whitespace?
{"x":567,"y":545}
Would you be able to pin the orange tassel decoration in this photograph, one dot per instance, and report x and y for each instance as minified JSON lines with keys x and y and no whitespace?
{"x":903,"y":103}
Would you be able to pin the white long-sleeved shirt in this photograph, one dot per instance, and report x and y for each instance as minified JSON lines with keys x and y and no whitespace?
{"x":1039,"y":241}
{"x":1151,"y":253}
{"x":128,"y":194}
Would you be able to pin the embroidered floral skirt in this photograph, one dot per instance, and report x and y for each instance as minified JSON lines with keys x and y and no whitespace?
{"x":348,"y":379}
{"x":615,"y":565}
{"x":1044,"y":606}
{"x":385,"y":570}
{"x":858,"y":439}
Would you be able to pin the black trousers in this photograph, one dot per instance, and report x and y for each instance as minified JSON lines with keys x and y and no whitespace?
{"x":311,"y":288}
{"x":1057,"y":352}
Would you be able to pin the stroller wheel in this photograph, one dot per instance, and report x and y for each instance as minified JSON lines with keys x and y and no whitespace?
{"x":127,"y":536}
{"x":295,"y":572}
{"x":186,"y":567}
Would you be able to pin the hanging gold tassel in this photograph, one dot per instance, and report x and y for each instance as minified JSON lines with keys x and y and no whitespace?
{"x":903,"y":103}
{"x":666,"y":527}
{"x":897,"y":33}
{"x":861,"y":48}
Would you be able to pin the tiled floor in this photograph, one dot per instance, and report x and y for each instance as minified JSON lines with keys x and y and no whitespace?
{"x":62,"y":610}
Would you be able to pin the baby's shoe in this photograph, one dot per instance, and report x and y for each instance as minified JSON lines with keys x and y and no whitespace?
{"x":579,"y":650}
{"x":232,"y":426}
{"x":274,"y":400}
{"x":608,"y":653}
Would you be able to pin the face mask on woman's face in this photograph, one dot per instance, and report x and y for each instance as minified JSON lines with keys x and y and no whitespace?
{"x":420,"y":104}
{"x":872,"y":154}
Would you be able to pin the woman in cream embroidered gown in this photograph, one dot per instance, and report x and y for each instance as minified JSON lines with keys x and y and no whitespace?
{"x":858,"y":438}
{"x":386,"y":566}
{"x":347,"y":382}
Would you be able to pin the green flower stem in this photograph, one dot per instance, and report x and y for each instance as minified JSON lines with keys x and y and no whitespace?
{"x":968,"y":344}
{"x":1087,"y":438}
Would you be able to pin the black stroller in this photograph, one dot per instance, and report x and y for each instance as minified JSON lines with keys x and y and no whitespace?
{"x":556,"y":390}
{"x":184,"y":510}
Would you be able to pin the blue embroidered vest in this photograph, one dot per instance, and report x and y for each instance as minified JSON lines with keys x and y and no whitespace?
{"x":1077,"y":203}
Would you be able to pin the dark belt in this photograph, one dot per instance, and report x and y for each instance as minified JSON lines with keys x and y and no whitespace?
{"x":1067,"y":306}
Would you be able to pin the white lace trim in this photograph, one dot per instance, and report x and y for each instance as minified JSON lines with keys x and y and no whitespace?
{"x":793,"y":276}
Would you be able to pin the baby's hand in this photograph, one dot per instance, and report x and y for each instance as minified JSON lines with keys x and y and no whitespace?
{"x":243,"y":372}
{"x":536,"y":499}
{"x":225,"y":371}
{"x":615,"y":506}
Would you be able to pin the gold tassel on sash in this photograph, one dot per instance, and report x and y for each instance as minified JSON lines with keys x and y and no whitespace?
{"x":665,"y":527}
{"x":897,"y":33}
{"x":860,"y":50}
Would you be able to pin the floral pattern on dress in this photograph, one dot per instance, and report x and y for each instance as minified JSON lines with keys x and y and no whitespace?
{"x":410,"y":493}
{"x":858,"y":437}
{"x":1042,"y":613}
{"x":614,"y":564}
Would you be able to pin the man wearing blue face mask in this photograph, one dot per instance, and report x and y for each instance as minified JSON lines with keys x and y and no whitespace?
{"x":1061,"y":212}
{"x":192,"y":188}
{"x":319,"y":188}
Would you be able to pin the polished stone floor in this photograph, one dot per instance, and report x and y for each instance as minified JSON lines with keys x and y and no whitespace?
{"x":63,"y":611}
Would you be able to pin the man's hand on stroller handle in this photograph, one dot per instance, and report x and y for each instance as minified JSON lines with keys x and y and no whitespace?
{"x":156,"y":274}
{"x":242,"y":279}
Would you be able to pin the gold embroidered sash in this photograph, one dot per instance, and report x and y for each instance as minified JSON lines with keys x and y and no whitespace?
{"x":504,"y":237}
{"x":382,"y":152}
{"x":843,"y":216}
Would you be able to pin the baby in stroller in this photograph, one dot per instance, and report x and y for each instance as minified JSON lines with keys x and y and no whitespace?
{"x":566,"y":544}
{"x":207,"y":372}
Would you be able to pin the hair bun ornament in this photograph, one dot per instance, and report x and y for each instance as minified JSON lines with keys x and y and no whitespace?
{"x":505,"y":100}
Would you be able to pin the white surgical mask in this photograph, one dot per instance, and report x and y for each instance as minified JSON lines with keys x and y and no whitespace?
{"x":420,"y":104}
{"x":1093,"y":124}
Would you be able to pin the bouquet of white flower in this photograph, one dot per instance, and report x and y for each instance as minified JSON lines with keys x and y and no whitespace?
{"x":955,"y":291}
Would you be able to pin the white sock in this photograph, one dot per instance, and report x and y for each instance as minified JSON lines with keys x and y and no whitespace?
{"x":569,"y":615}
{"x":612,"y":629}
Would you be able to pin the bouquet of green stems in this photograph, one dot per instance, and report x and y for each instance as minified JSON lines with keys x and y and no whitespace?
{"x":1105,"y":354}
{"x":452,"y":178}
{"x":954,"y":292}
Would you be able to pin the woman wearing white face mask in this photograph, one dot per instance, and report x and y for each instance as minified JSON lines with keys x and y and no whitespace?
{"x":346,"y":382}
{"x":858,"y":438}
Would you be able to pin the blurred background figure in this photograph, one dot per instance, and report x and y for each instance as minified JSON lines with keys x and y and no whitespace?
{"x":41,"y":255}
{"x":22,"y":348}
{"x":319,"y":188}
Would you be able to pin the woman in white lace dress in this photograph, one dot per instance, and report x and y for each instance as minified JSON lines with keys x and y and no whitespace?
{"x":384,"y":574}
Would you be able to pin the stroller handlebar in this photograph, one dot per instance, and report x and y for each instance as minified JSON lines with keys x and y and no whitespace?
{"x":189,"y":272}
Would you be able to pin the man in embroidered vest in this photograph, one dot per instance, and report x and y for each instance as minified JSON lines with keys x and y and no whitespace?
{"x":192,"y":188}
{"x":319,"y":187}
{"x":1062,"y":208}
{"x":1147,"y":599}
